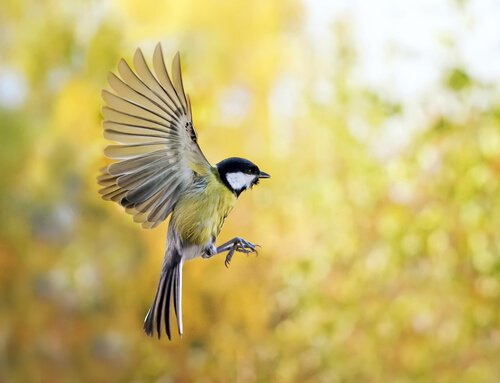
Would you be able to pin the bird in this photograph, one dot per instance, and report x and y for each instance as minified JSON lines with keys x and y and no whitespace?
{"x":157,"y":170}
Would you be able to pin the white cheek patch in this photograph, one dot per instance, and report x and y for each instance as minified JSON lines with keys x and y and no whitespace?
{"x":239,"y":180}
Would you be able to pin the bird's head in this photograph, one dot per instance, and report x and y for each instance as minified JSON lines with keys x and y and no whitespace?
{"x":239,"y":174}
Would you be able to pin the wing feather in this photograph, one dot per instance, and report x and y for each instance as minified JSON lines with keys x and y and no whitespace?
{"x":134,"y":164}
{"x":129,"y":129}
{"x":150,"y":81}
{"x":137,"y":110}
{"x":150,"y":187}
{"x":177,"y":80}
{"x":156,"y":156}
{"x":165,"y":202}
{"x":129,"y":77}
{"x":126,"y":91}
{"x":131,"y":137}
{"x":163,"y":77}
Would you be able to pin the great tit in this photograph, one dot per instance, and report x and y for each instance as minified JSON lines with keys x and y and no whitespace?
{"x":159,"y":170}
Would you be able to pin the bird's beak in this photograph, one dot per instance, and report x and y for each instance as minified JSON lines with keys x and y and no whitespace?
{"x":264,"y":175}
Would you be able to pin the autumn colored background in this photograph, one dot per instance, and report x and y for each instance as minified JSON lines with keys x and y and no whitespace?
{"x":380,"y":227}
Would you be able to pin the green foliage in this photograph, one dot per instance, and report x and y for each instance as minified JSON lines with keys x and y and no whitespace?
{"x":458,"y":80}
{"x":375,"y":265}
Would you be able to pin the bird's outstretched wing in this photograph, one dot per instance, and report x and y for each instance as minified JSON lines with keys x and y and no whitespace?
{"x":157,"y":155}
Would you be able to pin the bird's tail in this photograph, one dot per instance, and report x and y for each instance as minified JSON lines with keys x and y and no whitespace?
{"x":169,"y":289}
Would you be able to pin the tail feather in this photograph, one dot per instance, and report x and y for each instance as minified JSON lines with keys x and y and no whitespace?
{"x":178,"y":297}
{"x":167,"y":305}
{"x":169,"y":292}
{"x":162,"y":303}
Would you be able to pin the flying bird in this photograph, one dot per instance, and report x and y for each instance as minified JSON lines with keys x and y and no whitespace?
{"x":158,"y":170}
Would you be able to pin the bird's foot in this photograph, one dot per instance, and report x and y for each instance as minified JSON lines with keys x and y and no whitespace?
{"x":237,"y":245}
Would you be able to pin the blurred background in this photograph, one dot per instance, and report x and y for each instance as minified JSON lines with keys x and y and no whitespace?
{"x":380,"y":124}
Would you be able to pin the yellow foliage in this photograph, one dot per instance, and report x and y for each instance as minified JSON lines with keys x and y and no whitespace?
{"x":379,"y":263}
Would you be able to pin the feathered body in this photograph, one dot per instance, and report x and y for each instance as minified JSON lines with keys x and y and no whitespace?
{"x":196,"y":221}
{"x":200,"y":212}
{"x":159,"y":170}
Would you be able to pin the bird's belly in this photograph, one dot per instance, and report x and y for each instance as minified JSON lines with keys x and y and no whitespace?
{"x":198,"y":218}
{"x":192,"y":251}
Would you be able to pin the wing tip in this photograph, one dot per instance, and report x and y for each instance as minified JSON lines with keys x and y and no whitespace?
{"x":138,"y":52}
{"x":123,"y":66}
{"x":106,"y":95}
{"x":176,"y":64}
{"x":111,"y":77}
{"x":139,"y":58}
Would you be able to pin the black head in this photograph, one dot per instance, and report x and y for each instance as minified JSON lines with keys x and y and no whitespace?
{"x":239,"y":174}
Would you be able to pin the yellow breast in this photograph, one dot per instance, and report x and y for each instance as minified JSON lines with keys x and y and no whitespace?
{"x":199,"y":214}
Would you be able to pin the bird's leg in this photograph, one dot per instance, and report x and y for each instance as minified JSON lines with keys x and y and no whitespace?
{"x":236,"y":244}
{"x":210,"y":251}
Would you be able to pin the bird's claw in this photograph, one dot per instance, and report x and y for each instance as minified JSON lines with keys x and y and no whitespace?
{"x":242,"y":246}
